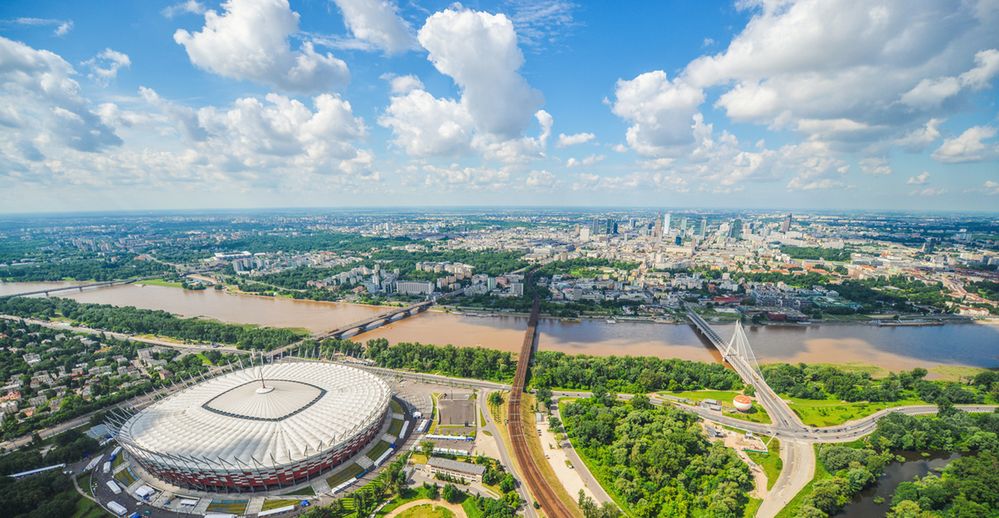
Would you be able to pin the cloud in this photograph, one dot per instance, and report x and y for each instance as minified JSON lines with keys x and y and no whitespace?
{"x":479,"y":52}
{"x":542,"y":23}
{"x":186,"y":7}
{"x":919,"y":179}
{"x":876,"y":166}
{"x":991,"y":188}
{"x":968,"y":146}
{"x":424,"y":125}
{"x":250,"y":41}
{"x":917,"y":139}
{"x":930,"y":93}
{"x":660,"y":111}
{"x":378,"y":23}
{"x":105,"y":65}
{"x":62,"y":27}
{"x":44,"y":104}
{"x":928,"y":192}
{"x":574,"y":139}
{"x":816,"y":66}
{"x":540,"y":179}
{"x":403,"y":84}
{"x":586,"y":161}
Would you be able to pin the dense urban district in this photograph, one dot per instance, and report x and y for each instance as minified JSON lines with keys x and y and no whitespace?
{"x":476,"y":431}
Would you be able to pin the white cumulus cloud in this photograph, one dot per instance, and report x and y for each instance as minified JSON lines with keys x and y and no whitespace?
{"x":574,"y":139}
{"x":968,"y":146}
{"x":105,"y":65}
{"x":377,"y":22}
{"x":249,"y":40}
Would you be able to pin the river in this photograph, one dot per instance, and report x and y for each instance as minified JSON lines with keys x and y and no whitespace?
{"x":915,"y":465}
{"x":892,"y":348}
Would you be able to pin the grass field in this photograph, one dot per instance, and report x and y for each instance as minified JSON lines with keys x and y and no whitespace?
{"x":830,"y":412}
{"x":274,"y":503}
{"x":162,"y":282}
{"x":378,"y":450}
{"x":344,"y":475}
{"x":395,"y":406}
{"x":751,"y":507}
{"x":426,"y":511}
{"x":770,"y":462}
{"x":125,"y":477}
{"x":755,"y":415}
{"x":395,"y":427}
{"x":227,"y":506}
{"x":305,"y":491}
{"x":86,"y":508}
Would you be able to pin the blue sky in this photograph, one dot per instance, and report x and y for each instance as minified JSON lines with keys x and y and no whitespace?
{"x":265,"y":103}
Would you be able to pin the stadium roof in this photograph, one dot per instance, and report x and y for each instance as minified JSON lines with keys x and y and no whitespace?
{"x":297,"y":410}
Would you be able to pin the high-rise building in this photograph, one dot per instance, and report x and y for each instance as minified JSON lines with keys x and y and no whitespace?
{"x":704,"y":227}
{"x":666,"y":222}
{"x":657,"y":230}
{"x":786,"y":224}
{"x":735,"y":230}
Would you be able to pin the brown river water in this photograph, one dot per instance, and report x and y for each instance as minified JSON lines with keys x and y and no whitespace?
{"x":892,"y":348}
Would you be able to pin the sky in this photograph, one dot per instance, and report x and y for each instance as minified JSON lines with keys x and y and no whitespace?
{"x":193,"y":104}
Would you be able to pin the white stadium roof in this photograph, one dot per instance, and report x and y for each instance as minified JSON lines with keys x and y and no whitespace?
{"x":301,"y":408}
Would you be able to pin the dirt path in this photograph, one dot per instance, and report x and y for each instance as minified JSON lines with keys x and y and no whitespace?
{"x":458,"y":511}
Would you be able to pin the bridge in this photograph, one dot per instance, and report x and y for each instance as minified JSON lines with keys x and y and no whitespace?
{"x":738,"y":353}
{"x":80,"y":287}
{"x":359,"y":326}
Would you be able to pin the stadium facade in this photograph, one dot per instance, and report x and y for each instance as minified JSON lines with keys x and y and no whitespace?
{"x":258,"y":429}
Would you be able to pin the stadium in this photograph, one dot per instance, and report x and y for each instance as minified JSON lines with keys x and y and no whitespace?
{"x":257,"y":429}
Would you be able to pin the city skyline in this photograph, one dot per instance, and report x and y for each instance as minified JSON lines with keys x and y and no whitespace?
{"x":729,"y":105}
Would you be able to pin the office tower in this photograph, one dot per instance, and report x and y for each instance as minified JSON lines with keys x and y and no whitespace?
{"x":666,"y":221}
{"x":704,"y":227}
{"x":786,"y":224}
{"x":657,"y":230}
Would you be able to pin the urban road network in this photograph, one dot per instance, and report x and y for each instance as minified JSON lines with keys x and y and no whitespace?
{"x":797,"y":453}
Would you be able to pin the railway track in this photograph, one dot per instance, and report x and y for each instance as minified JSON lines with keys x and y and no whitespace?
{"x":539,"y":488}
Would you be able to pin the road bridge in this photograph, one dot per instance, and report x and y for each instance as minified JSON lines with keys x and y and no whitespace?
{"x":359,"y":326}
{"x":101,"y":284}
{"x":738,"y":353}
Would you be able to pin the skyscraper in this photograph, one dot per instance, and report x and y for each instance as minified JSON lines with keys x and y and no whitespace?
{"x":657,"y":230}
{"x":704,"y":227}
{"x":666,"y":221}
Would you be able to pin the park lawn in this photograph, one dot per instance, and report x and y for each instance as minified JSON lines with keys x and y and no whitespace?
{"x":831,"y":412}
{"x":408,"y":495}
{"x":426,"y":511}
{"x":755,"y":415}
{"x":344,"y":475}
{"x":751,"y":507}
{"x":118,"y":460}
{"x":274,"y":503}
{"x":791,"y":509}
{"x":86,"y":508}
{"x":396,"y":407}
{"x":161,"y":282}
{"x":770,"y":462}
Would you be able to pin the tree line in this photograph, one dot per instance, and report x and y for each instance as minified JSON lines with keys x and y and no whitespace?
{"x":632,"y":374}
{"x":97,"y":269}
{"x":825,"y":381}
{"x":133,"y":320}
